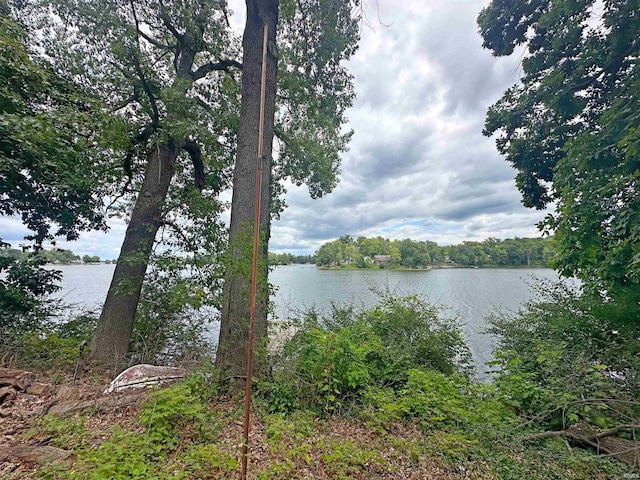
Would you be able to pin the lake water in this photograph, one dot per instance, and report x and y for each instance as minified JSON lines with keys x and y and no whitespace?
{"x":469,"y":293}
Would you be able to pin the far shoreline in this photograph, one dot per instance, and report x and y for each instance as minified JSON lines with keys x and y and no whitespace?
{"x":432,"y":267}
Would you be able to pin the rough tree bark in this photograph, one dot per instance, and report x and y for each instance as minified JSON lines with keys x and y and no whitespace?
{"x":232,"y":351}
{"x":110,"y":343}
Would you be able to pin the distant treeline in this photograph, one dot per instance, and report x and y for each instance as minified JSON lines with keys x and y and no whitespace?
{"x":288,"y":258}
{"x":378,"y":252}
{"x":57,"y":256}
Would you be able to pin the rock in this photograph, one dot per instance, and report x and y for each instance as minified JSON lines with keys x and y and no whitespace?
{"x":40,"y":454}
{"x":144,"y":375}
{"x":69,"y":393}
{"x":40,"y":389}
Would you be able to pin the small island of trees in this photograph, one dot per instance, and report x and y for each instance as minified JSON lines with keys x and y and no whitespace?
{"x":379,"y":252}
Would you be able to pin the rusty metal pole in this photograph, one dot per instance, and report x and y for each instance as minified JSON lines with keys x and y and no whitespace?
{"x":254,"y":270}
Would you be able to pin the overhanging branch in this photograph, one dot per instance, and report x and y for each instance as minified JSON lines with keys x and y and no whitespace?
{"x":217,"y":66}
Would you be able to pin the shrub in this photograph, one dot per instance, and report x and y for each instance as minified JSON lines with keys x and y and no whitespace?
{"x":52,"y":347}
{"x":332,"y":361}
{"x":562,"y":359}
{"x":415,"y":335}
{"x":172,"y":417}
{"x":433,"y":399}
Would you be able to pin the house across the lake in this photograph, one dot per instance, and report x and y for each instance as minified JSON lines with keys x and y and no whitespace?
{"x":382,"y":259}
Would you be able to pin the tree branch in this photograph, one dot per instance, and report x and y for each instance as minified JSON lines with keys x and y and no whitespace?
{"x":134,"y":97}
{"x":211,"y":67}
{"x":280,"y":135}
{"x":147,"y":90}
{"x":155,"y":42}
{"x":194,"y":152}
{"x":572,"y":433}
{"x":148,"y":38}
{"x":167,"y":23}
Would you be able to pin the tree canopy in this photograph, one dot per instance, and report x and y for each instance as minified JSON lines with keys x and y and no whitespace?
{"x":158,"y":82}
{"x":46,"y":127}
{"x":570,"y":127}
{"x":47,"y":178}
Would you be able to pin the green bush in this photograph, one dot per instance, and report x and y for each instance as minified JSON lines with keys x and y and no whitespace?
{"x":331,"y":362}
{"x":433,"y":399}
{"x":415,"y":334}
{"x":55,"y":347}
{"x":46,"y":352}
{"x":562,"y":360}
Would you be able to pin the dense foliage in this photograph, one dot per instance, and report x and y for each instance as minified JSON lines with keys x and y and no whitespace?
{"x":315,"y":89}
{"x":397,"y":406}
{"x":567,"y":358}
{"x":364,"y":252}
{"x":332,"y":361}
{"x":570,"y":127}
{"x":47,"y":176}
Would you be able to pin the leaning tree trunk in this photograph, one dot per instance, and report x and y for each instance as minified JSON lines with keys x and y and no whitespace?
{"x":232,"y":345}
{"x":110,"y":342}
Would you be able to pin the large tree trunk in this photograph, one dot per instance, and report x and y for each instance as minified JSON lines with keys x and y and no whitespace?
{"x":232,"y":345}
{"x":110,"y":343}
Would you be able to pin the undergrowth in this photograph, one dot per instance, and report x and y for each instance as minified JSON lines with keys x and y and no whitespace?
{"x":383,"y":393}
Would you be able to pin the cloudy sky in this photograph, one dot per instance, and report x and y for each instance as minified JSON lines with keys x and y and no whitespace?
{"x":418,"y":166}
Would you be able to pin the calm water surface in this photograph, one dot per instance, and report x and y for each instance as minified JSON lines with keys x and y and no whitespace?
{"x":469,"y":293}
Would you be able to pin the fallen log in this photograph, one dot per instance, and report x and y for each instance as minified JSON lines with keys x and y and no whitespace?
{"x":40,"y":454}
{"x":7,"y":393}
{"x":18,"y":379}
{"x":603,"y":441}
{"x":98,"y":404}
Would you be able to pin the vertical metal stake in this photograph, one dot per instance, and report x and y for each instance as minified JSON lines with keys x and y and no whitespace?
{"x":254,"y":271}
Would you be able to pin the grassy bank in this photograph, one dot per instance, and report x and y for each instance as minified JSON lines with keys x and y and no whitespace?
{"x":190,"y":432}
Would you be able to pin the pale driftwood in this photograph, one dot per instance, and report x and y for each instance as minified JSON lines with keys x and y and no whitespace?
{"x":604,"y":441}
{"x":19,"y":379}
{"x":40,"y":454}
{"x":100,"y":403}
{"x":145,"y":375}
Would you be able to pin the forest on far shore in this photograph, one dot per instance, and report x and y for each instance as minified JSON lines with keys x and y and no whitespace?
{"x":57,"y":256}
{"x":379,"y":252}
